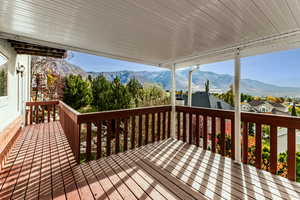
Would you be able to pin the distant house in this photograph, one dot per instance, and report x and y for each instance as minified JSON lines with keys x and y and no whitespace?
{"x":265,"y":107}
{"x":206,"y":100}
{"x":246,"y":107}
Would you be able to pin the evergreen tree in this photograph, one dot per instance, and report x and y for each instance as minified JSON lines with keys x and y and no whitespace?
{"x":135,"y":89}
{"x":207,"y":86}
{"x":102,"y":93}
{"x":294,"y":113}
{"x":77,"y":92}
{"x":109,"y":95}
{"x":120,"y":95}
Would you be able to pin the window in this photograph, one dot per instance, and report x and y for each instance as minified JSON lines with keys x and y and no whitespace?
{"x":263,"y":109}
{"x":3,"y":75}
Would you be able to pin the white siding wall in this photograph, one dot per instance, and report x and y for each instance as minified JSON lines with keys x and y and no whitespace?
{"x":11,"y":105}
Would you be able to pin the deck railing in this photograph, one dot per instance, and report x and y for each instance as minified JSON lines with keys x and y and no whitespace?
{"x":109,"y":132}
{"x":193,"y":124}
{"x":41,"y":111}
{"x":93,"y":135}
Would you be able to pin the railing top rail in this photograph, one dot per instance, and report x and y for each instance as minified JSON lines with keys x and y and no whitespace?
{"x":207,"y":111}
{"x":112,"y":114}
{"x":72,"y":113}
{"x":262,"y":118}
{"x":34,"y":103}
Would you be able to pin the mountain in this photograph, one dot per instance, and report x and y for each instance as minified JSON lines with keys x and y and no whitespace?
{"x":65,"y":68}
{"x":218,"y":82}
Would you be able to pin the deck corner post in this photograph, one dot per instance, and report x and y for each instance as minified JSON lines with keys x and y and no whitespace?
{"x":173,"y":101}
{"x":237,"y":107}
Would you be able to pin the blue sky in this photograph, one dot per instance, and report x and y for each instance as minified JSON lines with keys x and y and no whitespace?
{"x":279,"y":68}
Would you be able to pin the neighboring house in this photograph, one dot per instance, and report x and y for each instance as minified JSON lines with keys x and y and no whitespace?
{"x":267,"y":107}
{"x":206,"y":100}
{"x":246,"y":107}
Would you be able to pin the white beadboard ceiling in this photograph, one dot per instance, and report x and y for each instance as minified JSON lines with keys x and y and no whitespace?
{"x":157,"y":32}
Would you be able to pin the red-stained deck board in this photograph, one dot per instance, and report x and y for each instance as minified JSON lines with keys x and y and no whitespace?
{"x":41,"y":166}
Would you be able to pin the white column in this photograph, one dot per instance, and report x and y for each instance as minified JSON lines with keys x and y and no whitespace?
{"x":190,"y":88}
{"x":173,"y":101}
{"x":237,"y":101}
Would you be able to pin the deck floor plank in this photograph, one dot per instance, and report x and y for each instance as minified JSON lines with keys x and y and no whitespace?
{"x":68,"y":179}
{"x":41,"y":165}
{"x":141,"y":174}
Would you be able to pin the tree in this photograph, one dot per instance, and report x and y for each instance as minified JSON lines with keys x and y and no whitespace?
{"x":3,"y":82}
{"x":228,"y":97}
{"x":77,"y":92}
{"x":246,"y":97}
{"x":120,"y":95}
{"x":102,"y":93}
{"x":135,"y":89}
{"x":294,"y":113}
{"x":207,"y":86}
{"x":153,"y":94}
{"x":109,"y":95}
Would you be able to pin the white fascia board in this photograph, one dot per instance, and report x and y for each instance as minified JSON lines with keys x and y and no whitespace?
{"x":280,"y":42}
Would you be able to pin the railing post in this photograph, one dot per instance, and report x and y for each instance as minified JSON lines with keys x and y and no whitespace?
{"x":173,"y":102}
{"x":237,"y":102}
{"x":291,"y":154}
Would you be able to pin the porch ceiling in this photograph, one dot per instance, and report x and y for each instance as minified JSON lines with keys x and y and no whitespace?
{"x":155,"y":32}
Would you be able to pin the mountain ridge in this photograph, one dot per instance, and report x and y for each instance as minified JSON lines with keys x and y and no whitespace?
{"x":218,"y":82}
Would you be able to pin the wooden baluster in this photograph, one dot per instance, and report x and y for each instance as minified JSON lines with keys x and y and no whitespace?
{"x":223,"y":137}
{"x":31,"y":114}
{"x":43,"y":113}
{"x":190,"y":128}
{"x":108,"y":138}
{"x":117,"y":139}
{"x":99,"y":143}
{"x":197,"y":135}
{"x":178,"y":125}
{"x":54,"y":112}
{"x":37,"y":114}
{"x":88,"y":141}
{"x":258,"y":145}
{"x":213,"y":134}
{"x":140,"y":130}
{"x":232,"y":139}
{"x":76,"y":143}
{"x":48,"y":113}
{"x":132,"y":132}
{"x":26,"y":117}
{"x":164,"y":126}
{"x":153,"y":127}
{"x":158,"y":126}
{"x":205,"y":132}
{"x":126,"y":135}
{"x":291,"y":154}
{"x":273,"y":149}
{"x":169,"y":125}
{"x":245,"y":142}
{"x":184,"y":127}
{"x":146,"y":127}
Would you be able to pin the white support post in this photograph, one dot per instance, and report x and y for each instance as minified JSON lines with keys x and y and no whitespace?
{"x":237,"y":101}
{"x":173,"y":102}
{"x":190,"y":88}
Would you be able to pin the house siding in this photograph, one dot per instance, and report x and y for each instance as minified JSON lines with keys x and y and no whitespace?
{"x":11,"y":105}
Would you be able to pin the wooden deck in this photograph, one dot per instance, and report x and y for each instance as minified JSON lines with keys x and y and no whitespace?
{"x":41,"y":166}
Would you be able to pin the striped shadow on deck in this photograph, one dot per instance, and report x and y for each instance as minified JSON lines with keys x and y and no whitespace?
{"x":41,"y":166}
